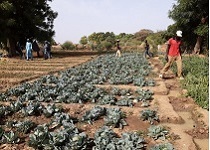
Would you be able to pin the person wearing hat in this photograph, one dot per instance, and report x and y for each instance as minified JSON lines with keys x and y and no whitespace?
{"x":173,"y":53}
{"x":118,"y":53}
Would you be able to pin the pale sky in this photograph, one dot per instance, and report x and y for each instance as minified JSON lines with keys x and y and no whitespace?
{"x":77,"y":18}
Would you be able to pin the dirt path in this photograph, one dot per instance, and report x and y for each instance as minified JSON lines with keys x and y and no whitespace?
{"x":182,"y":115}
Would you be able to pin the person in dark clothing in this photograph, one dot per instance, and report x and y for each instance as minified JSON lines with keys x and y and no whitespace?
{"x":19,"y":50}
{"x":47,"y":50}
{"x":35,"y":47}
{"x":147,"y":50}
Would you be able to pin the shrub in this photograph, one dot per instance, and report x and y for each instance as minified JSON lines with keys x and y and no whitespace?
{"x":107,"y":45}
{"x":68,"y":45}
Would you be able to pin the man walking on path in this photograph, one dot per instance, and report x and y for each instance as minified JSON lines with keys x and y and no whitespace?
{"x":173,"y":53}
{"x":147,"y":50}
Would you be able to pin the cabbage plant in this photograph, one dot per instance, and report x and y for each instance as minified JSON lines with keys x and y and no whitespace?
{"x":157,"y":132}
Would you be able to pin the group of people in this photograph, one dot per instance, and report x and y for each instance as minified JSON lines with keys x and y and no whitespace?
{"x":33,"y":46}
{"x":173,"y":54}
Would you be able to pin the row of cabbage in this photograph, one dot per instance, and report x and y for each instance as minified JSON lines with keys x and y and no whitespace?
{"x":61,"y":132}
{"x":77,"y":85}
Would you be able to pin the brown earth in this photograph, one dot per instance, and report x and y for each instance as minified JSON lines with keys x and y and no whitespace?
{"x":186,"y":121}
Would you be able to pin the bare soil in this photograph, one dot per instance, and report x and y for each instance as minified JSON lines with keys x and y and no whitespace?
{"x":186,"y":121}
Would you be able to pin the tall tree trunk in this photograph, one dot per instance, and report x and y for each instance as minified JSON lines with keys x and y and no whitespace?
{"x":197,"y":47}
{"x":11,"y":47}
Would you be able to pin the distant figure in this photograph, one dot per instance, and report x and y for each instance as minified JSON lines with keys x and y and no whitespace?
{"x":47,"y":50}
{"x":36,"y":48}
{"x":159,"y":47}
{"x":29,"y":50}
{"x":147,"y":50}
{"x":19,"y":50}
{"x":118,"y":53}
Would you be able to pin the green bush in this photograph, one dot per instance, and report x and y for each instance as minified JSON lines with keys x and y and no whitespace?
{"x":68,"y":45}
{"x":107,"y":45}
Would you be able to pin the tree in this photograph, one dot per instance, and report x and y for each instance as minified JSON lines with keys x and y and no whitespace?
{"x":101,"y":40}
{"x":83,"y":40}
{"x":142,"y":34}
{"x":25,"y":19}
{"x":191,"y":16}
{"x":68,"y":45}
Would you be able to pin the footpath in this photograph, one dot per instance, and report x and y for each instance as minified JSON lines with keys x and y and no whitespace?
{"x":187,"y":121}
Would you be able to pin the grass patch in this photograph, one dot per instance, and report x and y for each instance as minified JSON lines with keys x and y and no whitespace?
{"x":196,"y":74}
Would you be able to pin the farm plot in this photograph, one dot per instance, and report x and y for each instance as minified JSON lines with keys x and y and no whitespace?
{"x":106,"y":103}
{"x":15,"y":71}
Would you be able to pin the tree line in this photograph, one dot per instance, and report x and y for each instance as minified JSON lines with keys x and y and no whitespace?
{"x":35,"y":19}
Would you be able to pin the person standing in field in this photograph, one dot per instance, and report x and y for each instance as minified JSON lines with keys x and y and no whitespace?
{"x":36,"y":48}
{"x":47,"y":50}
{"x":118,"y":53}
{"x":173,"y":53}
{"x":29,"y":50}
{"x":19,"y":50}
{"x":147,"y":50}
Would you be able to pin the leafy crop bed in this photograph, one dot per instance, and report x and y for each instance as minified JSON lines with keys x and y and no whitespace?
{"x":196,"y":73}
{"x":33,"y":114}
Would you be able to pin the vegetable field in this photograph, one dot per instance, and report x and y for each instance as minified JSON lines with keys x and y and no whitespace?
{"x":90,"y":101}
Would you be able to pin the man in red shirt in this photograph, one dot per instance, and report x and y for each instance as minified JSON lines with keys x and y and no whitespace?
{"x":173,"y":53}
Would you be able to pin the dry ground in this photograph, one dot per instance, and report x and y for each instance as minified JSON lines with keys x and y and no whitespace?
{"x":187,"y":122}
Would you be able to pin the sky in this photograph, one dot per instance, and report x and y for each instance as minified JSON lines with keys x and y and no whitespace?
{"x":78,"y":18}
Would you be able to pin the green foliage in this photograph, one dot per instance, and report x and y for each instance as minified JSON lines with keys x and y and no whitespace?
{"x":40,"y":137}
{"x":105,"y":138}
{"x":196,"y":72}
{"x":102,"y":41}
{"x":1,"y":132}
{"x":94,"y":114}
{"x":107,"y":45}
{"x":114,"y":117}
{"x":50,"y":109}
{"x":149,"y":115}
{"x":188,"y":16}
{"x":196,"y":78}
{"x":83,"y":40}
{"x":156,"y":38}
{"x":125,"y":101}
{"x":10,"y":137}
{"x":165,"y":146}
{"x":68,"y":45}
{"x":157,"y":132}
{"x":16,"y":20}
{"x":144,"y":94}
{"x":131,"y":141}
{"x":25,"y":126}
{"x":142,"y":34}
{"x":32,"y":108}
